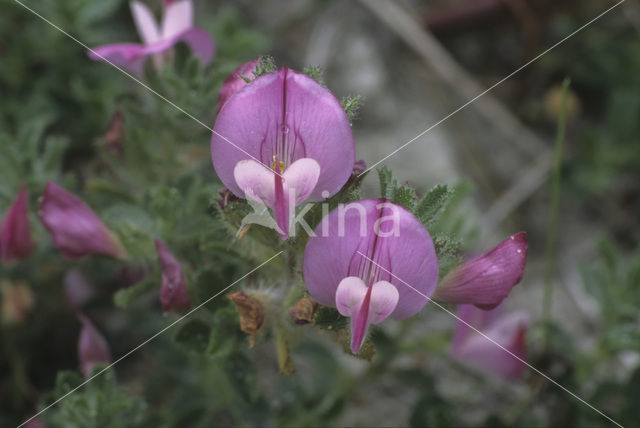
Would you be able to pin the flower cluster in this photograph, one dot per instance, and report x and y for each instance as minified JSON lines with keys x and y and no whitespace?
{"x":281,"y":139}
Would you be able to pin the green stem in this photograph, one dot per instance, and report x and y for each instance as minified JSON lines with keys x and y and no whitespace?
{"x":553,"y":210}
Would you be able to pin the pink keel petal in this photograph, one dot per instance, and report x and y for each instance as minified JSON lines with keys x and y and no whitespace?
{"x":486,"y":280}
{"x":256,"y":181}
{"x":145,"y":23}
{"x":349,"y":295}
{"x":384,"y":299}
{"x":301,"y":178}
{"x":178,"y":17}
{"x":365,"y":305}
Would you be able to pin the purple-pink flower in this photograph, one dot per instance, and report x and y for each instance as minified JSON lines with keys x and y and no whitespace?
{"x":93,"y":348}
{"x":15,"y":234}
{"x":235,"y":80}
{"x":173,"y":294}
{"x":280,"y":140}
{"x":338,"y":270}
{"x":486,"y":280}
{"x":176,"y":26}
{"x":507,"y":331}
{"x":74,"y":228}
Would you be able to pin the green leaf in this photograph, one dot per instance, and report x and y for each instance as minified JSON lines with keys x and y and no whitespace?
{"x":433,"y":204}
{"x":387,"y":182}
{"x":315,"y":73}
{"x":351,"y":106}
{"x":194,"y":336}
{"x":225,"y":332}
{"x":405,"y":196}
{"x":125,"y":296}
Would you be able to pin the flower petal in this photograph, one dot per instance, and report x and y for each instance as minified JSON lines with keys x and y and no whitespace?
{"x":234,"y":81}
{"x":384,"y":299}
{"x":15,"y":233}
{"x":173,"y":294}
{"x":199,"y":41}
{"x":126,"y":55}
{"x":145,"y":23}
{"x":301,"y":178}
{"x":178,"y":17}
{"x":349,"y":295}
{"x":409,"y":255}
{"x":290,"y":106}
{"x":508,"y":332}
{"x":486,"y":280}
{"x":74,"y":228}
{"x":93,"y":348}
{"x":256,"y":181}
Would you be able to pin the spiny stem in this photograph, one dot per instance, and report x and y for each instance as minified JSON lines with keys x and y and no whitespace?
{"x":553,"y":211}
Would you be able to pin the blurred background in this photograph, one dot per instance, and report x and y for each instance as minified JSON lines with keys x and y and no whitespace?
{"x":414,"y":63}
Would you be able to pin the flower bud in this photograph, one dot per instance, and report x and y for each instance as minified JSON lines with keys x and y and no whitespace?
{"x":15,"y":235}
{"x":234,"y":81}
{"x":492,"y":350}
{"x":487,"y":279}
{"x":93,"y":348}
{"x":75,"y":229}
{"x":173,"y":294}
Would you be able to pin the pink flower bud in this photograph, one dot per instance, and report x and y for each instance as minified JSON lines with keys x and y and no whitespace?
{"x":173,"y":294}
{"x":491,"y":350}
{"x":93,"y":349}
{"x":74,"y":228}
{"x":15,"y":235}
{"x":234,"y":81}
{"x":487,"y":279}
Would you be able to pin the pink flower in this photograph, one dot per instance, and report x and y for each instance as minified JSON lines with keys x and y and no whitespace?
{"x":508,"y":331}
{"x":234,"y":81}
{"x":487,"y":279}
{"x":173,"y":294}
{"x":177,"y":26}
{"x":337,"y":274}
{"x":93,"y":349}
{"x":74,"y":228}
{"x":286,"y":139}
{"x":15,"y":234}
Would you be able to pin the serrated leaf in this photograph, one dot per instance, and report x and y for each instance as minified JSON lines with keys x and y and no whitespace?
{"x":125,"y":296}
{"x":405,"y":196}
{"x":387,"y":182}
{"x":433,"y":204}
